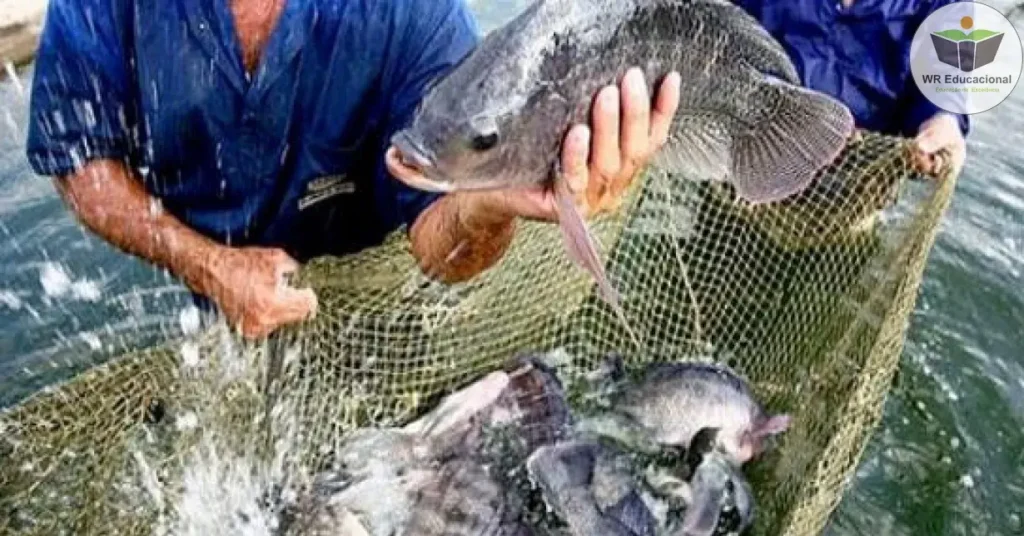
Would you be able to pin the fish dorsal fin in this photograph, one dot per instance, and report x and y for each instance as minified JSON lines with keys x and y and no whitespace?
{"x":782,"y":152}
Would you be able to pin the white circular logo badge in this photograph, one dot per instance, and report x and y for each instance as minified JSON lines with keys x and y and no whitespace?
{"x":966,"y":57}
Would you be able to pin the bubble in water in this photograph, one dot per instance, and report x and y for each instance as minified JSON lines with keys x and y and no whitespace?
{"x":967,"y":481}
{"x":954,"y":442}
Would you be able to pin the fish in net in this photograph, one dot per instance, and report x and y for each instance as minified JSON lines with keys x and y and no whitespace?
{"x":808,"y":298}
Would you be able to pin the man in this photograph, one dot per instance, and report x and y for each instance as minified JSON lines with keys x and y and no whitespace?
{"x":228,"y":140}
{"x":858,"y":51}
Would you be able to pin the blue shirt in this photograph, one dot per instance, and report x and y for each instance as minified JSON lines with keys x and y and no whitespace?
{"x":292,"y":158}
{"x":859,"y":55}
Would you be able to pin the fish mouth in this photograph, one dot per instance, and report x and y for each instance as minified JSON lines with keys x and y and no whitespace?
{"x":417,"y":164}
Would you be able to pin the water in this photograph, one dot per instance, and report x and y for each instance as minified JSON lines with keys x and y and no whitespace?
{"x":948,"y":458}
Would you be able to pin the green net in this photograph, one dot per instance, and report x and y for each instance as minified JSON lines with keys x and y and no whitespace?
{"x":808,"y":298}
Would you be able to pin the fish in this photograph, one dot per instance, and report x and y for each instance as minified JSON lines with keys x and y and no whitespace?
{"x":431,"y":477}
{"x":581,"y":484}
{"x":720,"y":500}
{"x":497,"y":120}
{"x":673,"y":402}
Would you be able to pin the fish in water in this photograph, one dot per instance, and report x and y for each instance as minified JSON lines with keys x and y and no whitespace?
{"x":499,"y":118}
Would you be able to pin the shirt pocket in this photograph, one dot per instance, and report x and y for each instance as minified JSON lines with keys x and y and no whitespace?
{"x":328,"y":173}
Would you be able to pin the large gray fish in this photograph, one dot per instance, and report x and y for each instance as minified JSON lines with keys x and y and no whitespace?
{"x":498,"y":119}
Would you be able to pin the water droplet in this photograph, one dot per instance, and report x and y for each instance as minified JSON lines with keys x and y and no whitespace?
{"x":187,"y":421}
{"x":54,"y":280}
{"x":188,"y":319}
{"x":92,"y":340}
{"x":190,"y":354}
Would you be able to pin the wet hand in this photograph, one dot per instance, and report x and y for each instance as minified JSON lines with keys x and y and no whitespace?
{"x":940,"y":142}
{"x":249,"y":286}
{"x":600,"y":161}
{"x":627,"y":132}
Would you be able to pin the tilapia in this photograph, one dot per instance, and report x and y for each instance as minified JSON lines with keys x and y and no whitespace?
{"x":499,"y":118}
{"x":674,"y":401}
{"x":580,"y":482}
{"x":720,"y":500}
{"x":431,"y":476}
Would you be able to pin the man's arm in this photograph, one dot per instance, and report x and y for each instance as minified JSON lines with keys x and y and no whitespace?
{"x":82,"y":119}
{"x":246,"y":283}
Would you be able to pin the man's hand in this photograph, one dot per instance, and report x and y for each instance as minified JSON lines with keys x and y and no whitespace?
{"x":247,"y":283}
{"x":940,"y":133}
{"x":464,"y":233}
{"x":601,"y":162}
{"x":250,"y":287}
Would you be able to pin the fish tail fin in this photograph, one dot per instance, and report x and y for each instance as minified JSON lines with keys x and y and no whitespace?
{"x":582,"y":249}
{"x":780,"y":156}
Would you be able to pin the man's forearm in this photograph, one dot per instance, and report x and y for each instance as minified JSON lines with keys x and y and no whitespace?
{"x":110,"y":202}
{"x":458,"y":237}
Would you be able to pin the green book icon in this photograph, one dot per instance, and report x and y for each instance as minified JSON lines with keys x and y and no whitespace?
{"x":967,"y":51}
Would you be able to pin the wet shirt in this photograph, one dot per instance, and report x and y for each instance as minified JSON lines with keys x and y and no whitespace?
{"x":290,"y":157}
{"x":858,"y":54}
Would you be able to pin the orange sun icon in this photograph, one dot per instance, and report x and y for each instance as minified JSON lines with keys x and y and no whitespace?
{"x":966,"y":23}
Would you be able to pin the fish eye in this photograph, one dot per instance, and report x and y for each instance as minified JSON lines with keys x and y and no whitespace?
{"x":484,"y":141}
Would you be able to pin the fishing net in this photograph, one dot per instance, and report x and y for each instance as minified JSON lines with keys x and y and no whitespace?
{"x":809,"y":298}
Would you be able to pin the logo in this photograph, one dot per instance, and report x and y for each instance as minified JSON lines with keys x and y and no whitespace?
{"x":966,"y":57}
{"x":325,"y":188}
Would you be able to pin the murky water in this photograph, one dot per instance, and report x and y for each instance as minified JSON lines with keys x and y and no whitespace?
{"x":948,"y":458}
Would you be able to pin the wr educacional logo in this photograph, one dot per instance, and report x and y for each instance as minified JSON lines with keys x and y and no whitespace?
{"x":966,"y":57}
{"x":967,"y":49}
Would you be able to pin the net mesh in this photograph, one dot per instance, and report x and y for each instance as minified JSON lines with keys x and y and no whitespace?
{"x":808,"y":298}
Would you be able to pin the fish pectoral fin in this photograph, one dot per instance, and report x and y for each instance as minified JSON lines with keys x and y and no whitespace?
{"x":787,"y":145}
{"x":582,"y":249}
{"x":701,"y":150}
{"x":579,"y":241}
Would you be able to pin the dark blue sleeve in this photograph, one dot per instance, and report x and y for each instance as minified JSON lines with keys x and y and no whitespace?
{"x":919,"y":108}
{"x":80,"y":105}
{"x":434,"y":36}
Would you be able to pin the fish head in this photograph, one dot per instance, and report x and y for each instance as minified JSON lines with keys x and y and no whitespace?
{"x":722,"y":501}
{"x":490,"y":123}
